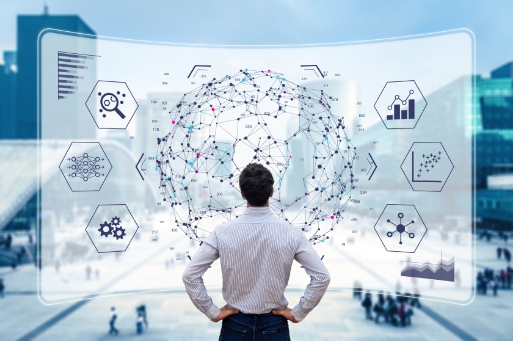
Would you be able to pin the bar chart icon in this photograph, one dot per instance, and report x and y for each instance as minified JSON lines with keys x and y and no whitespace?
{"x":402,"y":114}
{"x":71,"y":67}
{"x":400,"y":104}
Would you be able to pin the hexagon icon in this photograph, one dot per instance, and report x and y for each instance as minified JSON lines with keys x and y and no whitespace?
{"x":111,"y":228}
{"x":111,"y":104}
{"x":427,"y":166}
{"x":400,"y":228}
{"x":400,"y":104}
{"x":85,"y":166}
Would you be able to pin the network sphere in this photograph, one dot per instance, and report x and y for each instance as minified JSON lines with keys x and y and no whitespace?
{"x":218,"y":128}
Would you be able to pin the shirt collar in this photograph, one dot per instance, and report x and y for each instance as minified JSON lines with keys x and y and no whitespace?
{"x":257,"y":211}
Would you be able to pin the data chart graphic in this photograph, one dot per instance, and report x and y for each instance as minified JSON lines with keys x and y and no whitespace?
{"x":85,"y":166}
{"x":400,"y":228}
{"x":255,"y":116}
{"x":72,"y":67}
{"x":111,"y":105}
{"x":427,"y":166}
{"x":111,"y":228}
{"x":400,"y":104}
{"x":443,"y":270}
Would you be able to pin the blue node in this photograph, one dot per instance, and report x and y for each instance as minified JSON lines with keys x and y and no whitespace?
{"x":156,"y":168}
{"x":326,"y":137}
{"x":191,"y":163}
{"x":191,"y":127}
{"x":243,"y":79}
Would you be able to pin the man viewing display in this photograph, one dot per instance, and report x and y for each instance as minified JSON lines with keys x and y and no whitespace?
{"x":257,"y":251}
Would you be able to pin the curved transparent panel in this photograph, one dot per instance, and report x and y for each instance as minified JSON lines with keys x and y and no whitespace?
{"x":369,"y":143}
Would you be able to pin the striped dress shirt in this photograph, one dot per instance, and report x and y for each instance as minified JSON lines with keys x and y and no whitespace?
{"x":256,"y":251}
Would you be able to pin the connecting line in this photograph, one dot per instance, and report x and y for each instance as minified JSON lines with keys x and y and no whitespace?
{"x":399,"y":98}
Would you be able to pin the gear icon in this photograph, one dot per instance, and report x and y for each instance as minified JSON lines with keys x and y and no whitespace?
{"x":105,"y":229}
{"x":116,"y":221}
{"x":119,"y":232}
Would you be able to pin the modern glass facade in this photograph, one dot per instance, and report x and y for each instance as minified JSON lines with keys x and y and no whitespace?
{"x":494,"y":147}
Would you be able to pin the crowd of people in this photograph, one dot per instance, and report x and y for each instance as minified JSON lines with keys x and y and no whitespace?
{"x":396,"y":310}
{"x":141,"y":320}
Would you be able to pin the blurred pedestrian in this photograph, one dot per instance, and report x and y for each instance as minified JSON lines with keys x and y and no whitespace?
{"x":367,"y":304}
{"x":499,"y":252}
{"x":379,"y":307}
{"x":8,"y":241}
{"x":88,"y":272}
{"x":415,"y":299}
{"x":357,"y":290}
{"x":57,"y":265}
{"x":2,"y":288}
{"x":97,"y":273}
{"x":507,"y":255}
{"x":142,"y":310}
{"x":112,"y":321}
{"x":139,"y":324}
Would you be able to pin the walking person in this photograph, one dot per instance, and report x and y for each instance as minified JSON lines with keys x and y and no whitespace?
{"x":367,"y":304}
{"x":2,"y":288}
{"x":139,"y":323}
{"x":507,"y":255}
{"x":112,"y":321}
{"x":250,"y":248}
{"x":379,"y":307}
{"x":499,"y":252}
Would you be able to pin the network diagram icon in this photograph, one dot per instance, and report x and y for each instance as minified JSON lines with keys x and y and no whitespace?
{"x":85,"y":166}
{"x":397,"y":220}
{"x":400,"y":104}
{"x":111,"y":104}
{"x":111,"y":228}
{"x":427,"y":166}
{"x":400,"y":228}
{"x":218,"y":128}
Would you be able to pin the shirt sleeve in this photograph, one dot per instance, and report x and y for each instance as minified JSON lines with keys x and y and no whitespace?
{"x":193,"y":277}
{"x":319,"y":278}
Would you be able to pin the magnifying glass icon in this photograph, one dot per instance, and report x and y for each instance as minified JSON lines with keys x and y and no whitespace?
{"x":110,"y":102}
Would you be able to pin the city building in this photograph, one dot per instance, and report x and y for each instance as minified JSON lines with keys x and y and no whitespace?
{"x":8,"y":77}
{"x":29,"y":27}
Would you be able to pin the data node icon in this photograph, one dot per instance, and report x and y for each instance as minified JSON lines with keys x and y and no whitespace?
{"x":400,"y":104}
{"x":427,"y":166}
{"x":111,"y":228}
{"x":85,"y":166}
{"x":111,"y":104}
{"x":400,"y":228}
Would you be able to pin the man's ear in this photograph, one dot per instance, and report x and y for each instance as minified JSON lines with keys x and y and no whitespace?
{"x":272,"y":192}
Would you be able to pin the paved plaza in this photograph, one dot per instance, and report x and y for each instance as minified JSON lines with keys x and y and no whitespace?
{"x":172,"y":316}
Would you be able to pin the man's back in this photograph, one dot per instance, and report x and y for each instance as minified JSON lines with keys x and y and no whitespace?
{"x":256,"y":252}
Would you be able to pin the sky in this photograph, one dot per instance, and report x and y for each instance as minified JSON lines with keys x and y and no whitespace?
{"x":281,"y":21}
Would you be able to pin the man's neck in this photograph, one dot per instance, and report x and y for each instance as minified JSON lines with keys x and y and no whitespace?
{"x":248,"y":205}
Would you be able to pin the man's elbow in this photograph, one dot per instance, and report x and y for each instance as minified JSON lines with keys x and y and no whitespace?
{"x":187,"y":277}
{"x":326,"y":279}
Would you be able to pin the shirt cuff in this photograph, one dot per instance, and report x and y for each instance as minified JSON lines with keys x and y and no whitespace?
{"x":298,"y":314}
{"x":213,"y":312}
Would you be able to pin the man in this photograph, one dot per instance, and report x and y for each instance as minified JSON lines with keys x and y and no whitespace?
{"x":256,"y":251}
{"x":112,"y":321}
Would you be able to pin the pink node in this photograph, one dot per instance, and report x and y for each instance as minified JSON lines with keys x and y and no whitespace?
{"x":332,"y":217}
{"x":291,"y":156}
{"x":320,"y":101}
{"x":198,"y":154}
{"x":213,"y":109}
{"x":231,"y":183}
{"x":169,"y":133}
{"x":196,"y":171}
{"x":268,"y":70}
{"x":173,"y":122}
{"x":343,"y":127}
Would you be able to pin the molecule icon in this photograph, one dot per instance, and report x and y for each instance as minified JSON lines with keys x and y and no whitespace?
{"x":400,"y":228}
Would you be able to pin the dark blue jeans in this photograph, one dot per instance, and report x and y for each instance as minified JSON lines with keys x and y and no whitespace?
{"x":251,"y":327}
